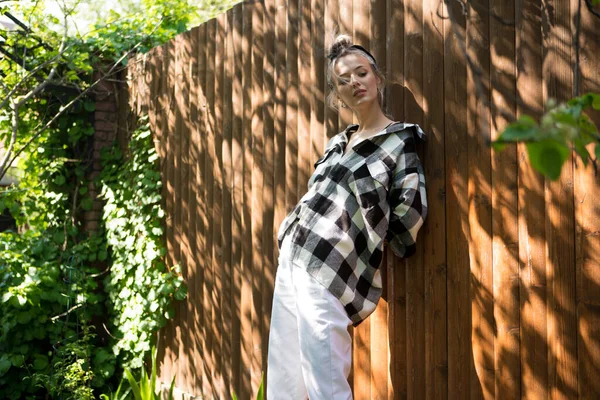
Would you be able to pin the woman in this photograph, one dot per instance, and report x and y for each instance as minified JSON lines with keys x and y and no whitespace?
{"x":367,"y":187}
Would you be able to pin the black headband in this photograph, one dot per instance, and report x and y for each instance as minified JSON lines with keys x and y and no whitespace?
{"x":354,"y":46}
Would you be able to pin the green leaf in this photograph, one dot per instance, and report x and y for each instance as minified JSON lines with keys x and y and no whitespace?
{"x":5,"y":364}
{"x":87,"y":203}
{"x":59,"y":180}
{"x":89,"y":106}
{"x":153,"y":372}
{"x":40,"y":362}
{"x":171,"y":388}
{"x":597,"y":151}
{"x":22,"y":300}
{"x":102,"y":255}
{"x":581,"y":150}
{"x":261,"y":389}
{"x":135,"y":388}
{"x":181,"y":293}
{"x":596,"y":97}
{"x":23,"y":317}
{"x":8,"y":295}
{"x":17,"y":360}
{"x":524,"y":129}
{"x":58,"y":237}
{"x":548,"y":156}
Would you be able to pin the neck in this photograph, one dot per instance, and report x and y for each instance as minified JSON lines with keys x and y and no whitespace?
{"x":370,"y":117}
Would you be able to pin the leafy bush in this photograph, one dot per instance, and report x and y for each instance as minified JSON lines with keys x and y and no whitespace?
{"x":140,"y":288}
{"x":71,"y":318}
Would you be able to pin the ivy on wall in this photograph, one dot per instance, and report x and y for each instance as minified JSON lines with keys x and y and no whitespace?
{"x":140,"y":287}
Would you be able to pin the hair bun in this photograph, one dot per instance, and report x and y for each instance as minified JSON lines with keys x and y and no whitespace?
{"x":340,"y":43}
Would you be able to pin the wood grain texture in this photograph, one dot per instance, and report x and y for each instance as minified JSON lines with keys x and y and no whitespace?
{"x":532,"y":208}
{"x":505,"y":204}
{"x":560,"y":231}
{"x":257,"y":263}
{"x":501,"y":299}
{"x":587,"y":228}
{"x":460,"y":364}
{"x":481,"y":196}
{"x":433,"y":232}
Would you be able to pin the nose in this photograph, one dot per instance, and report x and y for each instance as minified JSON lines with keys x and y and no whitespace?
{"x":353,"y":79}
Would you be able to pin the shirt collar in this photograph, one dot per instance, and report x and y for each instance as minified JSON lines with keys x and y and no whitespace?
{"x":342,"y":138}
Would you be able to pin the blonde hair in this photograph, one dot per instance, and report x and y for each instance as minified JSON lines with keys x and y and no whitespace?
{"x":342,"y":45}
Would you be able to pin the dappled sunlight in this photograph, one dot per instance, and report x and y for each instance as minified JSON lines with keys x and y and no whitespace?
{"x":501,"y":298}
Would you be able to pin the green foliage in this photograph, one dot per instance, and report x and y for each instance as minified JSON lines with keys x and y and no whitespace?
{"x":155,"y":23}
{"x":71,"y":373}
{"x":144,"y":390}
{"x":564,"y":127}
{"x":48,"y":287}
{"x":260,"y":395}
{"x":69,"y":320}
{"x":140,"y":287}
{"x":117,"y":395}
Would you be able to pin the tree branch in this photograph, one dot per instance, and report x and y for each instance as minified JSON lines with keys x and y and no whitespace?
{"x":13,"y":139}
{"x":15,"y":106}
{"x":72,"y":102}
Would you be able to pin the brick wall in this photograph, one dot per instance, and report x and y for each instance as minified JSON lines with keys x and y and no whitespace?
{"x":106,"y":126}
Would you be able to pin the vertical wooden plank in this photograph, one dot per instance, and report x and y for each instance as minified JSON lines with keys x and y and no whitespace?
{"x":480,"y":204}
{"x":279,"y":123}
{"x":217,"y":214}
{"x":197,"y":207}
{"x":256,"y":264}
{"x":505,"y":205}
{"x":346,"y":24}
{"x":278,"y":35}
{"x":161,"y":147}
{"x":305,"y":87}
{"x":292,"y":100}
{"x":413,"y":104}
{"x":209,"y":183}
{"x":587,"y":245}
{"x":395,"y":59}
{"x":380,"y":343}
{"x":379,"y":319}
{"x":318,"y":134}
{"x":280,"y":115}
{"x":246,"y":160}
{"x":532,"y":209}
{"x":171,"y":152}
{"x":432,"y":238}
{"x":186,"y":233}
{"x":395,"y":271}
{"x":457,"y":227}
{"x":331,"y":115}
{"x":228,"y":294}
{"x":362,"y":334}
{"x":396,"y":291}
{"x":237,"y":200}
{"x":560,"y":230}
{"x":268,"y":166}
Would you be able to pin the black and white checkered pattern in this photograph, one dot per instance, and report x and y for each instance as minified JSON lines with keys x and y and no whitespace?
{"x":354,"y":202}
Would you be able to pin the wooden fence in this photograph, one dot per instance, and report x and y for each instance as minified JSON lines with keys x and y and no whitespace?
{"x":502,"y":299}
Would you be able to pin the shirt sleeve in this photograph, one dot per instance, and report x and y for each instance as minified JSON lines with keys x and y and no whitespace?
{"x":408,"y":201}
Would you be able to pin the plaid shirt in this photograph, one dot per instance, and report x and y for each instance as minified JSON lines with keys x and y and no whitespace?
{"x":354,"y":202}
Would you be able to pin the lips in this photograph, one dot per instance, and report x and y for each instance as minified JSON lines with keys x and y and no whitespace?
{"x":359,"y":91}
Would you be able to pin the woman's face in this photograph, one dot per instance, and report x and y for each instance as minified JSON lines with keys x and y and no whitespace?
{"x":356,"y":84}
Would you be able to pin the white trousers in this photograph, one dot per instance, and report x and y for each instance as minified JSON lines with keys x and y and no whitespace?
{"x":310,"y":349}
